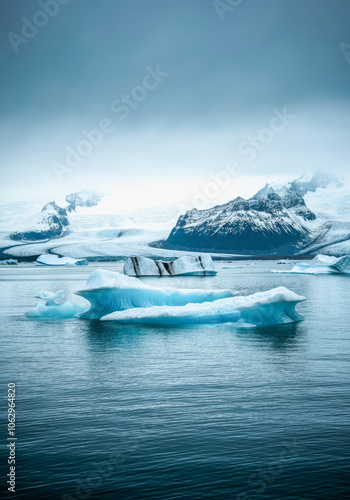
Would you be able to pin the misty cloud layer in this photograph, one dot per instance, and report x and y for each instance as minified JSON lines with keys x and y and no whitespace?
{"x":178,"y":88}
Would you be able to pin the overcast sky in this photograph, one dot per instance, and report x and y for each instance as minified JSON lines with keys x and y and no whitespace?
{"x":181,"y":91}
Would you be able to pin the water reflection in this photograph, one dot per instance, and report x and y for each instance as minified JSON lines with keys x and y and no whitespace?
{"x":277,"y":337}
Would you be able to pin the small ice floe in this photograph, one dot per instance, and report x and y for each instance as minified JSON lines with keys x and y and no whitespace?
{"x":322,"y":264}
{"x":183,"y":266}
{"x":47,"y":259}
{"x":54,"y":307}
{"x":9,"y":262}
{"x":232,"y":267}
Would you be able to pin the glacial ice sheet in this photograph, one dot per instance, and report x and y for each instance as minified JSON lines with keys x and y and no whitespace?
{"x":322,"y":264}
{"x":56,"y":260}
{"x":272,"y":307}
{"x":188,"y":265}
{"x":109,"y":291}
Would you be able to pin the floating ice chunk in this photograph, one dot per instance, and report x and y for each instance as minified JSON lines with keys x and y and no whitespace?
{"x":47,"y":259}
{"x":232,"y":267}
{"x":272,"y":307}
{"x":109,"y":291}
{"x":66,"y":310}
{"x":183,"y":266}
{"x":9,"y":262}
{"x":50,"y":297}
{"x":52,"y":309}
{"x":322,"y":264}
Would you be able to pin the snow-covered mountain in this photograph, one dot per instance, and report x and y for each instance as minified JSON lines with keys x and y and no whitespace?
{"x":274,"y":221}
{"x":94,"y":229}
{"x":51,"y":222}
{"x":306,"y":216}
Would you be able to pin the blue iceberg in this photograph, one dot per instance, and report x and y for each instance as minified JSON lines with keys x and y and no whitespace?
{"x":109,"y":291}
{"x":53,"y":308}
{"x":275,"y":306}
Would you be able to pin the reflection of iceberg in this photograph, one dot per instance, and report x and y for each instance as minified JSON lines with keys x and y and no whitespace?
{"x":187,"y":265}
{"x":52,"y":309}
{"x":267,"y":308}
{"x":323,"y":264}
{"x":47,"y":259}
{"x":109,"y":291}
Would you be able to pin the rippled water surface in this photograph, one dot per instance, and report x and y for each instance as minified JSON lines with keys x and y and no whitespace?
{"x":199,"y":412}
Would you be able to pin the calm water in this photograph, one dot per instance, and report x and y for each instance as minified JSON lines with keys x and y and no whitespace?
{"x":133,"y":412}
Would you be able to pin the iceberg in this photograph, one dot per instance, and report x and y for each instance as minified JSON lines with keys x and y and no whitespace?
{"x":116,"y":297}
{"x":53,"y":309}
{"x":183,"y":266}
{"x":8,"y":262}
{"x":272,"y":307}
{"x":47,"y":259}
{"x":109,"y":291}
{"x":50,"y":297}
{"x":322,"y":264}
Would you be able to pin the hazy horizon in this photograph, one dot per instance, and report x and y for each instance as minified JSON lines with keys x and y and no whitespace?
{"x":153,"y":99}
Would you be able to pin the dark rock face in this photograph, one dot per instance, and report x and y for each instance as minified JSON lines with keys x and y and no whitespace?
{"x":52,"y":222}
{"x":82,"y":199}
{"x":270,"y":222}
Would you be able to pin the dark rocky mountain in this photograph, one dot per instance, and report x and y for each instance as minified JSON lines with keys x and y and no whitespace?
{"x":51,"y":222}
{"x":274,"y":221}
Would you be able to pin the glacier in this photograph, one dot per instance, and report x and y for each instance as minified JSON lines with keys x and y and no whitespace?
{"x":188,"y":265}
{"x":56,"y":260}
{"x":310,"y":215}
{"x":109,"y":291}
{"x":322,"y":264}
{"x":275,"y":306}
